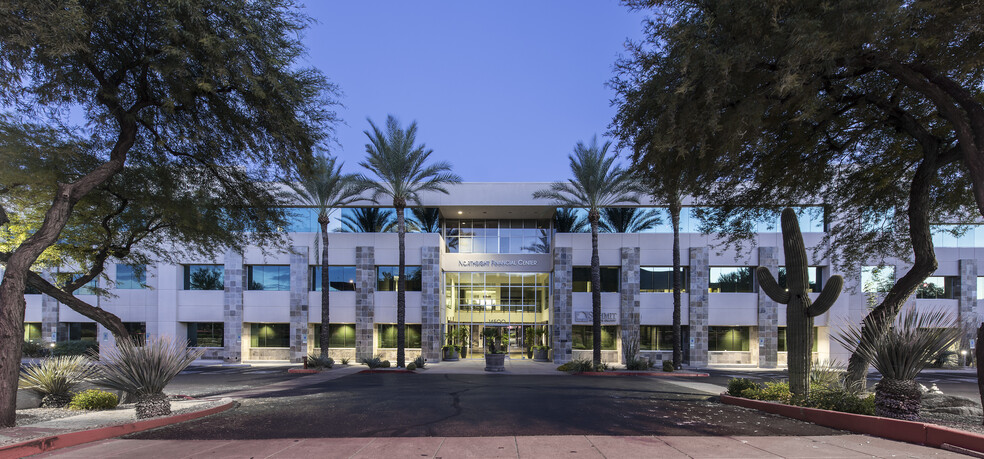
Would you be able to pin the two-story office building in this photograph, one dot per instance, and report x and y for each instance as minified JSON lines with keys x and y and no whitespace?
{"x":496,"y":262}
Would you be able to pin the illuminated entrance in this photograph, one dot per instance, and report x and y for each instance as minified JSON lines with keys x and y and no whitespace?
{"x":515,"y":304}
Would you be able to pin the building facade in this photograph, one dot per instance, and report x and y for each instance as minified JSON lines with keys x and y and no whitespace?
{"x":497,"y":266}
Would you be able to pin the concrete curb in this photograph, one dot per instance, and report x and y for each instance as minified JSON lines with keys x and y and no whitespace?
{"x":389,"y":371}
{"x":894,"y":429}
{"x":305,"y":371}
{"x":65,"y":440}
{"x":659,"y":374}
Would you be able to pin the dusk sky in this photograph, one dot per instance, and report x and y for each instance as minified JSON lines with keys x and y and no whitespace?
{"x":503,"y":90}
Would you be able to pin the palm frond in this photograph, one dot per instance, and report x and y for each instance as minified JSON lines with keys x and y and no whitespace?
{"x":596,"y":181}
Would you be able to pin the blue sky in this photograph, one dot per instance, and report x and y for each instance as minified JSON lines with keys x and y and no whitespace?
{"x":503,"y":90}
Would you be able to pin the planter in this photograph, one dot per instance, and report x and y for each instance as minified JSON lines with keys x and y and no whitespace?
{"x":463,"y":353}
{"x":495,"y":362}
{"x":529,"y":353}
{"x":450,"y":354}
{"x":541,"y":355}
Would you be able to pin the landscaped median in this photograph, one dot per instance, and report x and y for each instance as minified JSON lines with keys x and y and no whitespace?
{"x":66,"y":436}
{"x":893,"y":429}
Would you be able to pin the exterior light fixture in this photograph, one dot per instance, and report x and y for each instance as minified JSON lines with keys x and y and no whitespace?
{"x":460,"y":212}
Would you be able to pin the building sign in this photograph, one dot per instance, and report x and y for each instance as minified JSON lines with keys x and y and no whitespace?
{"x":586,"y":317}
{"x":495,"y":262}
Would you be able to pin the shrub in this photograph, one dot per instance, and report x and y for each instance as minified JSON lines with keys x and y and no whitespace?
{"x":345,"y":360}
{"x":94,"y":399}
{"x":75,"y":348}
{"x":143,"y":371}
{"x":35,"y":349}
{"x":638,"y":364}
{"x":372,"y":362}
{"x":581,"y":366}
{"x":316,"y":361}
{"x":668,"y":366}
{"x":737,"y":385}
{"x":419,"y":362}
{"x":385,"y":364}
{"x":839,"y":399}
{"x":411,"y":366}
{"x":826,"y":374}
{"x":53,"y":379}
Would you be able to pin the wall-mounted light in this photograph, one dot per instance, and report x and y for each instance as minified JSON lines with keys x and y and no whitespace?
{"x":460,"y":212}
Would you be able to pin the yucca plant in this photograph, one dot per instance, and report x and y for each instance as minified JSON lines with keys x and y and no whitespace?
{"x":899,"y":354}
{"x":143,"y":371}
{"x":55,"y":378}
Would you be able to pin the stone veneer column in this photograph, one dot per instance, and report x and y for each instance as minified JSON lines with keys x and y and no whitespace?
{"x":49,"y":315}
{"x":430,"y":303}
{"x":298,"y":303}
{"x":700,"y":273}
{"x":768,"y":313}
{"x":365,"y":304}
{"x":629,"y":297}
{"x":967,"y":302}
{"x":562,"y":301}
{"x":232,"y":315}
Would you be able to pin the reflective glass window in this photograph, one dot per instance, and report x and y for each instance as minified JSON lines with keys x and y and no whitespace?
{"x":63,"y":279}
{"x":387,"y":278}
{"x":268,"y":277}
{"x":269,"y":335}
{"x":814,"y":272}
{"x":582,"y":279}
{"x":659,"y":279}
{"x":206,"y":334}
{"x":731,"y":279}
{"x":131,"y":276}
{"x":340,"y":278}
{"x":938,"y":288}
{"x":204,"y":277}
{"x":876,"y":279}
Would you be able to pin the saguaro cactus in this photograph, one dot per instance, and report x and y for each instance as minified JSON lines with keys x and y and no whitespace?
{"x":800,"y":311}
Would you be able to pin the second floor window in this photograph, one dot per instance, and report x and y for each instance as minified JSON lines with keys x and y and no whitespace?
{"x":387,"y":278}
{"x":731,"y":280}
{"x":340,"y":278}
{"x":204,"y":277}
{"x":130,"y":277}
{"x":582,"y":279}
{"x":63,"y":279}
{"x":938,"y":288}
{"x":814,"y":272}
{"x":876,"y":279}
{"x":659,"y":279}
{"x":268,"y":277}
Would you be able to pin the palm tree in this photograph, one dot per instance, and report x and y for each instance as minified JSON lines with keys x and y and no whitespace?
{"x":566,"y":220}
{"x":402,"y":174}
{"x":426,"y":219}
{"x":628,"y":219}
{"x":598,"y":183}
{"x":326,"y":188}
{"x":367,"y":220}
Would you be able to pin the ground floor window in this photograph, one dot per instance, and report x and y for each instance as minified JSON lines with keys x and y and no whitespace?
{"x":32,"y":331}
{"x":583,"y":337}
{"x":269,"y":335}
{"x":339,"y":335}
{"x":137,"y":331}
{"x":387,"y":334}
{"x":782,"y":339}
{"x":77,"y":331}
{"x":658,"y":337}
{"x":727,"y":338}
{"x":206,"y":334}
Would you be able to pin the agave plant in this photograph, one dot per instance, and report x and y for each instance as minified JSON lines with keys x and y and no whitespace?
{"x":899,"y":354}
{"x":54,"y":379}
{"x":143,"y":371}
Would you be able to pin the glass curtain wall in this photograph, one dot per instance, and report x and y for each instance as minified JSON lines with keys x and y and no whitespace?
{"x":517,"y":303}
{"x":497,"y":236}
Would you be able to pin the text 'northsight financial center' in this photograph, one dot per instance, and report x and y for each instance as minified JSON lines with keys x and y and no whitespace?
{"x":497,"y":261}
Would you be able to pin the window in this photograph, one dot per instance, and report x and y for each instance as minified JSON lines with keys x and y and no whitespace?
{"x":876,"y":279}
{"x":497,"y":236}
{"x":131,"y":276}
{"x":980,"y":288}
{"x":269,"y":335}
{"x":658,"y":337}
{"x":268,"y":277}
{"x":782,"y":339}
{"x":28,"y":290}
{"x":32,"y":331}
{"x":583,"y":337}
{"x":814,"y":272}
{"x":137,"y":331}
{"x":63,"y":279}
{"x":659,"y":279}
{"x":731,"y":280}
{"x":387,"y":334}
{"x":340,"y":278}
{"x":340,"y":335}
{"x":204,"y":277}
{"x":958,"y":235}
{"x":206,"y":334}
{"x":938,"y":288}
{"x":727,"y":338}
{"x":77,"y":331}
{"x":609,"y":279}
{"x":387,"y":278}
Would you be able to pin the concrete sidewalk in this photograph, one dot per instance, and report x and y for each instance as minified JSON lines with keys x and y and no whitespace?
{"x":841,"y":446}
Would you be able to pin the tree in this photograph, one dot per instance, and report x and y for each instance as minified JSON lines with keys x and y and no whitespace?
{"x":597,"y":183}
{"x":808,"y":102}
{"x":628,"y":219}
{"x":325,"y":187}
{"x":426,"y":219}
{"x":566,"y":220}
{"x":214,"y":88}
{"x":368,"y":220}
{"x":402,"y":174}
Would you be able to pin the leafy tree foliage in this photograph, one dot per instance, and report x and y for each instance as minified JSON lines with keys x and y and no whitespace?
{"x":866,"y":108}
{"x":208,"y":92}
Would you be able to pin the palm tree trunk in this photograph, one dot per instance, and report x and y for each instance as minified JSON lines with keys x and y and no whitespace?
{"x":677,"y":281}
{"x":401,"y":294}
{"x":325,"y":322}
{"x":594,"y":216}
